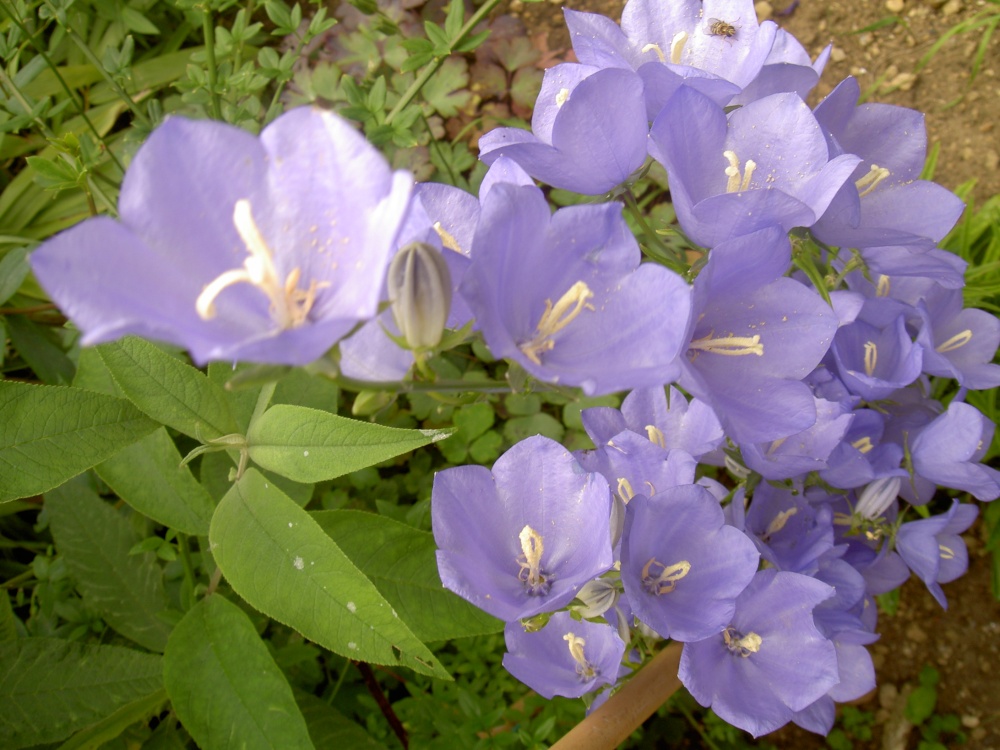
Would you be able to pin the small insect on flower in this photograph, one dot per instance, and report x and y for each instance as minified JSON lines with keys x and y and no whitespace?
{"x":717,"y":27}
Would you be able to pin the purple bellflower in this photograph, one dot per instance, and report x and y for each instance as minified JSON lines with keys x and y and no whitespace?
{"x":682,"y":566}
{"x":933,"y":549}
{"x":564,"y":295}
{"x":766,"y":163}
{"x":265,"y":249}
{"x":770,"y":661}
{"x":787,"y":68}
{"x":588,"y":130}
{"x":567,"y":657}
{"x":524,"y":538}
{"x":885,"y":202}
{"x":959,"y":342}
{"x":754,"y":336}
{"x":875,"y":363}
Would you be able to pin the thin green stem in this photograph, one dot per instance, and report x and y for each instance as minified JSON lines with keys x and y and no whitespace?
{"x":17,"y":580}
{"x":437,"y":62}
{"x":281,"y":84}
{"x":99,"y":66}
{"x":182,"y":543}
{"x":697,"y":726}
{"x":340,"y":681}
{"x":238,"y":56}
{"x":15,"y":92}
{"x":651,"y":236}
{"x":208,"y":30}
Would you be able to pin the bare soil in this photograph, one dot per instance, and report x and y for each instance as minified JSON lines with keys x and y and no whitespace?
{"x":882,"y":43}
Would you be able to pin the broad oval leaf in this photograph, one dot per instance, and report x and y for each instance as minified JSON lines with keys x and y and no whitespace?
{"x":148,"y":476}
{"x":224,"y":685}
{"x":49,"y":434}
{"x":126,"y":590}
{"x":309,"y":445}
{"x":49,"y":688}
{"x":170,"y":391}
{"x":278,"y":558}
{"x":400,"y":560}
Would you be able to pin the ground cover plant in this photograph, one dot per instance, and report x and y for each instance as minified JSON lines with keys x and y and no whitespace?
{"x":318,"y":431}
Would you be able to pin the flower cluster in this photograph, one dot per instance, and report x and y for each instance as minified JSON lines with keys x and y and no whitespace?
{"x":751,"y":496}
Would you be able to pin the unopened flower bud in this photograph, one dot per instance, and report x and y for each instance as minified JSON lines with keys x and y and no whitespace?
{"x":877,"y":497}
{"x":420,"y":290}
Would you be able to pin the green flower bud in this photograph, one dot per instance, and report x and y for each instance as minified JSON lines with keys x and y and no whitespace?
{"x":420,"y":291}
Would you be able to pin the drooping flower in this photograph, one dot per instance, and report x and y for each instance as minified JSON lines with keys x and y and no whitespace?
{"x":567,"y":657}
{"x":524,"y":538}
{"x":265,"y":249}
{"x":564,"y":294}
{"x":933,"y":549}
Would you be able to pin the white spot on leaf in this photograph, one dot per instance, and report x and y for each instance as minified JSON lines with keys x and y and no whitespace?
{"x":299,"y":563}
{"x":352,"y":607}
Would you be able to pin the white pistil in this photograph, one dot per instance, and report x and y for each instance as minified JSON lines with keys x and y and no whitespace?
{"x":863,"y":444}
{"x":775,"y":445}
{"x":730,"y":346}
{"x":779,"y":522}
{"x":562,"y":97}
{"x":655,"y":48}
{"x":447,"y":239}
{"x":955,"y":342}
{"x":532,"y":547}
{"x":666,"y":580}
{"x":677,"y":46}
{"x":748,"y":644}
{"x":738,"y":182}
{"x":555,"y":318}
{"x":583,"y":667}
{"x":290,"y":305}
{"x":882,"y":288}
{"x":871,"y":358}
{"x":871,"y":180}
{"x":656,"y":436}
{"x":624,"y":489}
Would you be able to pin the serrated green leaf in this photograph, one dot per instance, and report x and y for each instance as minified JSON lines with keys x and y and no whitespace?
{"x":278,"y":558}
{"x":447,"y":91}
{"x":148,"y":476}
{"x":52,"y":433}
{"x":224,"y":684}
{"x":401,"y":561}
{"x":127,"y":590}
{"x":309,"y":445}
{"x":49,"y":688}
{"x":170,"y":391}
{"x":99,"y":734}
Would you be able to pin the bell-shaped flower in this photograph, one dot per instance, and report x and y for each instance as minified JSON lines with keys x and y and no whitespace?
{"x":933,"y":549}
{"x":862,"y":456}
{"x":588,"y":130}
{"x":875,"y":363}
{"x":787,"y":68}
{"x":791,"y":533}
{"x":682,"y":565}
{"x":564,"y":294}
{"x":524,"y":538}
{"x":755,"y":335}
{"x":959,"y":342}
{"x":764,"y":164}
{"x":567,"y":657}
{"x":265,"y":249}
{"x":885,"y":202}
{"x":948,"y":452}
{"x":770,"y":661}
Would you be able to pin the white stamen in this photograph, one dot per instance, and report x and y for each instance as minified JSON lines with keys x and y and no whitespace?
{"x":666,"y":580}
{"x":583,"y":667}
{"x":655,"y":48}
{"x":779,"y":522}
{"x":532,"y":547}
{"x":871,"y":357}
{"x":290,"y":305}
{"x":946,"y":552}
{"x":677,"y":46}
{"x":882,"y":288}
{"x":555,"y":318}
{"x":656,"y":436}
{"x":447,"y":239}
{"x":748,"y":644}
{"x":871,"y":180}
{"x":737,"y":182}
{"x":730,"y":346}
{"x":624,"y":489}
{"x":955,"y":342}
{"x":863,"y":444}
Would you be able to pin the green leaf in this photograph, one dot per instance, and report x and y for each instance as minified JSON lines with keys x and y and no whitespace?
{"x":52,"y":433}
{"x":448,"y":90}
{"x":14,"y":270}
{"x":400,"y":560}
{"x":278,"y":558}
{"x":309,"y":445}
{"x":39,"y":348}
{"x":8,"y":623}
{"x":329,"y":728}
{"x":99,"y":734}
{"x":137,"y":22}
{"x":49,"y":688}
{"x":170,"y":391}
{"x":224,"y":685}
{"x":148,"y":476}
{"x":95,"y":541}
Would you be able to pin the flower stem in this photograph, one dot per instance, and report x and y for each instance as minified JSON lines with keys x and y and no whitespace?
{"x":208,"y":31}
{"x":437,"y":62}
{"x":665,"y":252}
